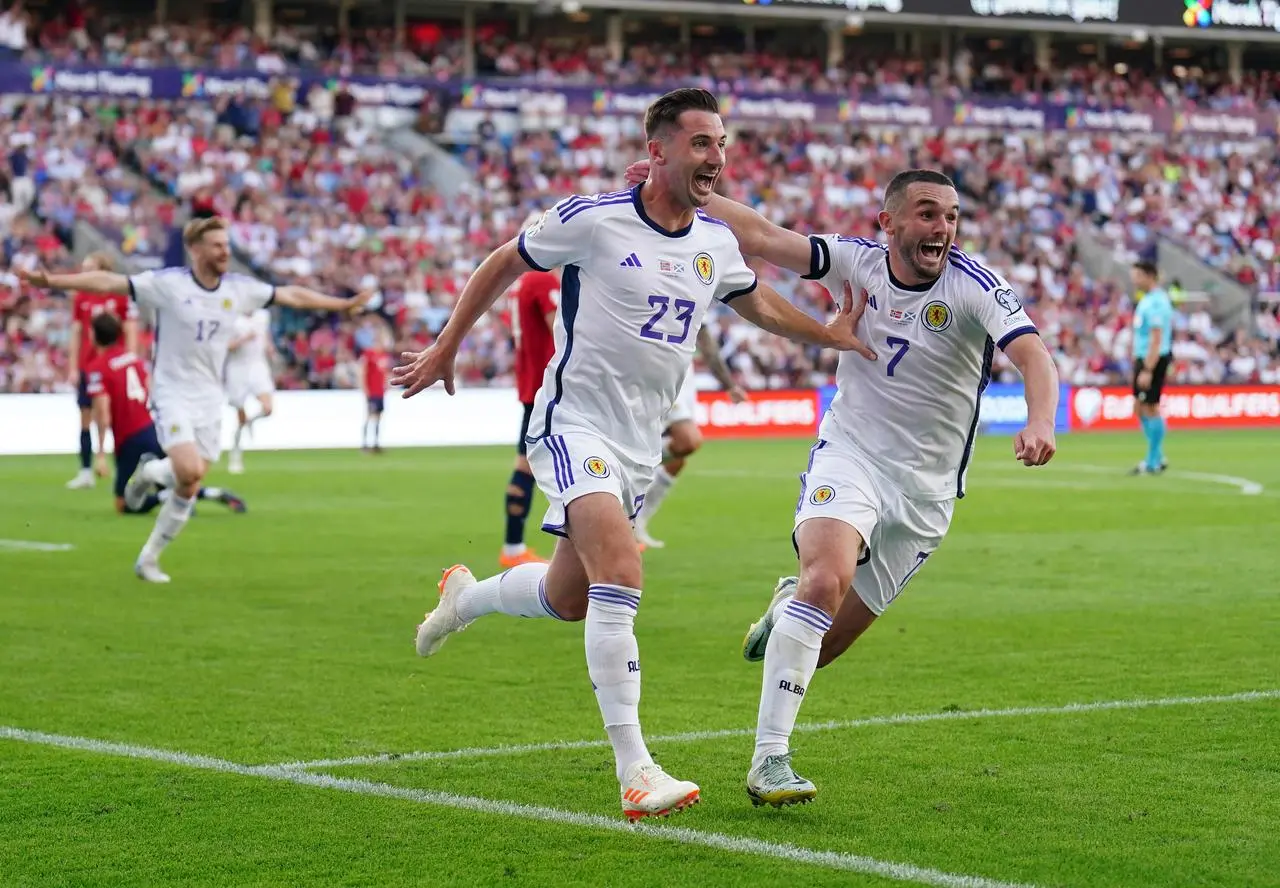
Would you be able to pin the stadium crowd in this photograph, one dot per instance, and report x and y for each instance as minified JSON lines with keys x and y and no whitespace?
{"x":315,"y":198}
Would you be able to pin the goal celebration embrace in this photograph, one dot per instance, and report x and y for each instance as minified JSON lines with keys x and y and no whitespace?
{"x":881,"y":483}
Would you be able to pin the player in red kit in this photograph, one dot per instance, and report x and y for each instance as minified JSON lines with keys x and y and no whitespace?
{"x":80,"y":351}
{"x":116,"y":381}
{"x":534,"y":299}
{"x":375,"y":363}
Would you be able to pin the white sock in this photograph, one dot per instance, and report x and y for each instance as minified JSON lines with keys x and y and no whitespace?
{"x":790,"y":659}
{"x":160,"y":471}
{"x":511,"y":550}
{"x":613,"y":662}
{"x":659,"y":487}
{"x":518,"y":592}
{"x":210,"y":493}
{"x":169,"y":523}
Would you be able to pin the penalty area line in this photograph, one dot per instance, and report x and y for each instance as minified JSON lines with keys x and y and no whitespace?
{"x":906,"y":718}
{"x":836,"y":860}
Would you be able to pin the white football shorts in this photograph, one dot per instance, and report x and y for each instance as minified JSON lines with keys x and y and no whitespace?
{"x":899,"y":532}
{"x":685,"y":406}
{"x":179,"y":424}
{"x":576,"y":463}
{"x":245,"y":381}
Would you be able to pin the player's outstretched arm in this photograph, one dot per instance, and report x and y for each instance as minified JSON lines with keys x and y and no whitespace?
{"x":87,"y":281}
{"x":1035,"y":445}
{"x":306,"y":299}
{"x":756,"y":235}
{"x":710,"y":351}
{"x":496,"y":274}
{"x":765,"y":308}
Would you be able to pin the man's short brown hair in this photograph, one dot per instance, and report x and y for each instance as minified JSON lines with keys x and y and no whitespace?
{"x":664,"y":114}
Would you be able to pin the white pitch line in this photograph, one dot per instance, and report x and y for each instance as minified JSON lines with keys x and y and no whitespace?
{"x":808,"y":727}
{"x":901,"y":872}
{"x":34,"y":546}
{"x":1245,"y":485}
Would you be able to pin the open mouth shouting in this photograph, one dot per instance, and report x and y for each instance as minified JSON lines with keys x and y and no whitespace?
{"x":932,"y":251}
{"x":704,"y":182}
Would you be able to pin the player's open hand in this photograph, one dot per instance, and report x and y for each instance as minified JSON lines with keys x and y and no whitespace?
{"x":638,"y":172}
{"x":1035,"y":445}
{"x":844,"y":326}
{"x":36,"y":277}
{"x":423,"y":369}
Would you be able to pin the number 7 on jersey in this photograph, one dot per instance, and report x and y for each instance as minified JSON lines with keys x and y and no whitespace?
{"x":900,"y":347}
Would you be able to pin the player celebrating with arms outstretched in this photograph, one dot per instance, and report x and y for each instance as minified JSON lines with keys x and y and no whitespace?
{"x":893,"y":451}
{"x":640,"y":269}
{"x":196,"y":309}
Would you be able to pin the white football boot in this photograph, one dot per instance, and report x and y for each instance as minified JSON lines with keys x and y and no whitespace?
{"x":757,"y":637}
{"x":83,"y":480}
{"x":149,"y":569}
{"x":775,"y":782}
{"x":649,"y":791}
{"x":444,"y":620}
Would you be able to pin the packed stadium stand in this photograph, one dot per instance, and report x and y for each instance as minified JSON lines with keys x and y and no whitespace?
{"x":319,"y":194}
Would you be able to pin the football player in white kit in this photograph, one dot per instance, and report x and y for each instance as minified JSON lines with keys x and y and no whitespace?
{"x":877,"y":495}
{"x":195,"y":313}
{"x":248,"y":376}
{"x":680,"y":436}
{"x":640,"y":269}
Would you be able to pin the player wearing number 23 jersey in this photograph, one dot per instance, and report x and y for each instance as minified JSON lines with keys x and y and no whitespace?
{"x":632,"y":298}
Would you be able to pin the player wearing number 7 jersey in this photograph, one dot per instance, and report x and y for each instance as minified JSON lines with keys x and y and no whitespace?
{"x":195,"y":312}
{"x":640,"y":270}
{"x":892,"y":452}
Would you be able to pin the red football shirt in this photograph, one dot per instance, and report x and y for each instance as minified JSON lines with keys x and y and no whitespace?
{"x":122,"y":377}
{"x":376,"y":364}
{"x":534,"y":296}
{"x":87,"y":306}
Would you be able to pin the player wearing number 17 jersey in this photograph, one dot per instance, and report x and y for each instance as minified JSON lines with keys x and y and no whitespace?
{"x":893,"y":451}
{"x":195,"y":310}
{"x":640,"y":269}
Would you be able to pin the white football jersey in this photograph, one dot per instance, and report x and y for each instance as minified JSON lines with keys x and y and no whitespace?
{"x":914,"y":410}
{"x":253,"y":353}
{"x":192,"y":328}
{"x":632,"y":298}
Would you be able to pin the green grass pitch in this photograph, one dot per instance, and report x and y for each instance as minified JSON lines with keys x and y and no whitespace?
{"x":287,"y":635}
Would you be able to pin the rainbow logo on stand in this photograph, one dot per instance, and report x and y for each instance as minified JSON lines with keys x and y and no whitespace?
{"x":41,"y":79}
{"x":1198,"y":13}
{"x":192,"y":85}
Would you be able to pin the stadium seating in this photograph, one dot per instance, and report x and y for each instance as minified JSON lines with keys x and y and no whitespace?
{"x":315,"y":198}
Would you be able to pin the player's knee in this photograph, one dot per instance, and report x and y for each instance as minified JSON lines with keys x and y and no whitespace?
{"x":621,"y":567}
{"x":674,"y":466}
{"x":822,"y":586}
{"x":685,"y":441}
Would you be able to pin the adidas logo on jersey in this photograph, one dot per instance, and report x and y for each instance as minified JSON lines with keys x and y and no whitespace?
{"x":631,"y":261}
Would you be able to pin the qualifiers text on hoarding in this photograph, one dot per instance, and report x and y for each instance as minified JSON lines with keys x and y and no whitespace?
{"x":1204,"y":407}
{"x":767,"y":414}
